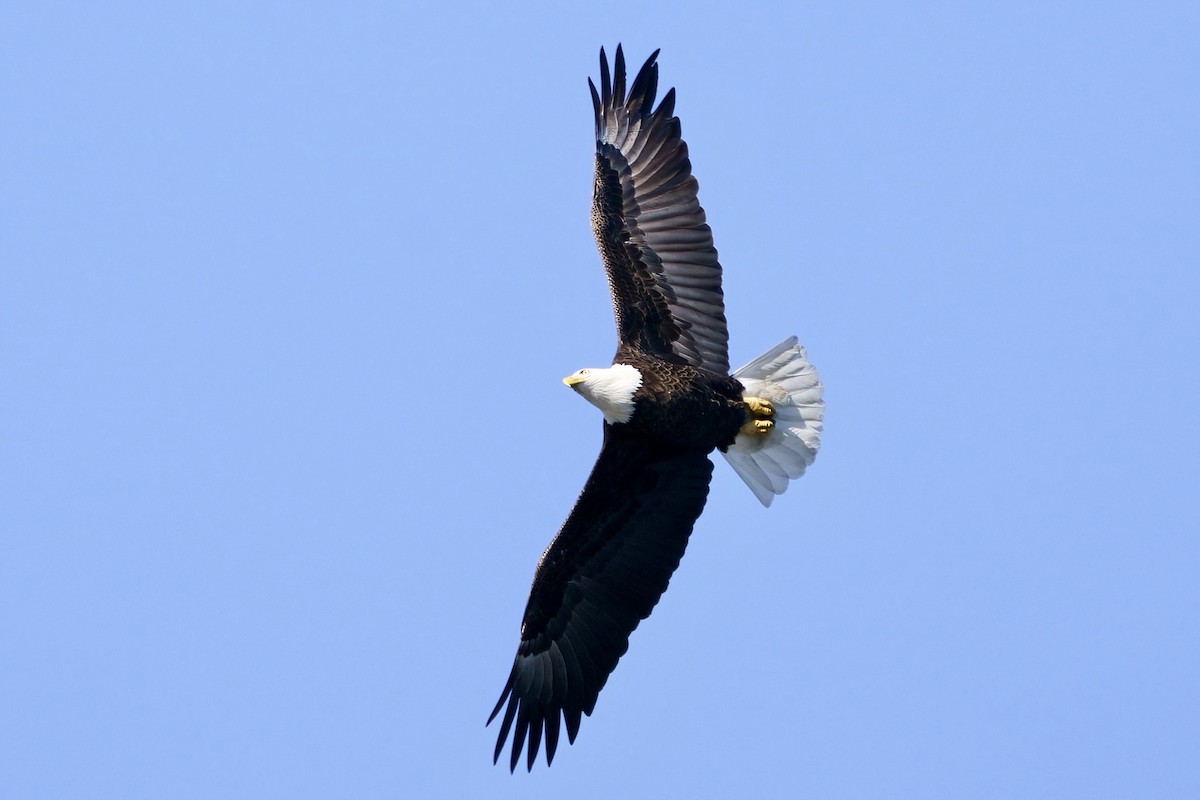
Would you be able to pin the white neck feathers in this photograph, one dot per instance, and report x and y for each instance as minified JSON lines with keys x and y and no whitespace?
{"x":610,"y":390}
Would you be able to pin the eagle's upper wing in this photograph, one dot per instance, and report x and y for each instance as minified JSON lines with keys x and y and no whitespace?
{"x":656,"y":247}
{"x":601,"y":576}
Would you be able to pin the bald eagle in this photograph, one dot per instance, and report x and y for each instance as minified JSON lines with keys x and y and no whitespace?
{"x":668,"y":401}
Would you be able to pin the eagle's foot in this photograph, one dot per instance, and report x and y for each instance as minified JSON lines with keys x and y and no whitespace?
{"x":760,"y":422}
{"x":758,"y":427}
{"x":759,"y":408}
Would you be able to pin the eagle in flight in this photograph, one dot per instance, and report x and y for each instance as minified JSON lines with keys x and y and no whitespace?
{"x":668,"y":401}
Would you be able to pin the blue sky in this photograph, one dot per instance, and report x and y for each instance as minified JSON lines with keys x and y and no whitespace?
{"x":288,"y":291}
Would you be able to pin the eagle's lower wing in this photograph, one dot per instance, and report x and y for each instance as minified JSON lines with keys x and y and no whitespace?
{"x":656,"y":247}
{"x":600,"y":577}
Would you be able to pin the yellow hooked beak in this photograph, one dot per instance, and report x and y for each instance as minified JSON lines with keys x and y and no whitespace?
{"x":573,"y":380}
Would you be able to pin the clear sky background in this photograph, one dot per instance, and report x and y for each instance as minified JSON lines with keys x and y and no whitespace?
{"x":287,"y":293}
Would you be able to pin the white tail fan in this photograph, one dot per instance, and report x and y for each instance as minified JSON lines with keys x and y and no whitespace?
{"x":783,"y":376}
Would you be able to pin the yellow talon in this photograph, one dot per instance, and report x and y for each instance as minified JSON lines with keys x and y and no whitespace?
{"x":758,"y":407}
{"x":758,"y":427}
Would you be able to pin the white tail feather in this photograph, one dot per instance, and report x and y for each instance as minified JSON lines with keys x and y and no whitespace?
{"x":783,"y":376}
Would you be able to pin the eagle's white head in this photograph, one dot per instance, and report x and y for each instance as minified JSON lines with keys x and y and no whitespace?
{"x":609,"y":389}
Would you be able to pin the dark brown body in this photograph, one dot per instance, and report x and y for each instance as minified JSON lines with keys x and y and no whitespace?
{"x":683,"y":406}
